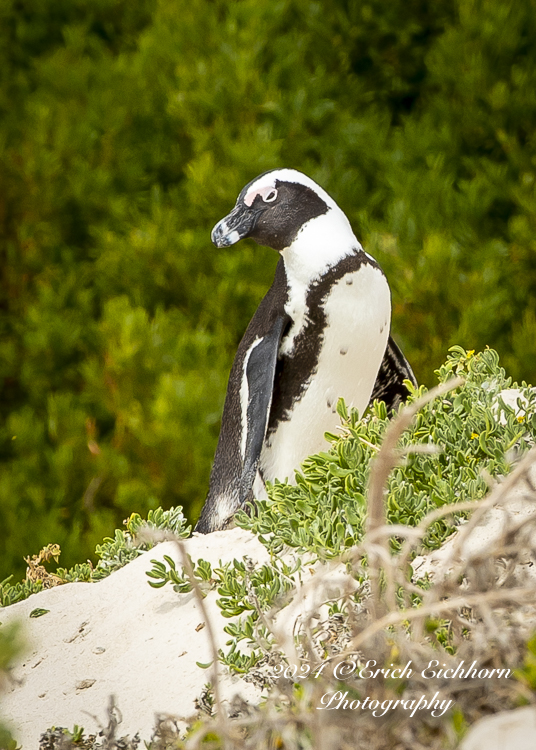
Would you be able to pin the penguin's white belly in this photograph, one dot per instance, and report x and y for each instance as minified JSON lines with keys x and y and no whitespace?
{"x":358,"y":313}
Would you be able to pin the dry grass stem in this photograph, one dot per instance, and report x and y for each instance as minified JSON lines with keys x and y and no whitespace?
{"x":381,"y":466}
{"x":221,"y":716}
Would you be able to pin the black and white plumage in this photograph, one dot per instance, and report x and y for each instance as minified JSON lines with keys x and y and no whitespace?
{"x":321,"y":332}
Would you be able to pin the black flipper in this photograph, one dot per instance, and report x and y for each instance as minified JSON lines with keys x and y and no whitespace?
{"x":389,"y":386}
{"x":233,"y":474}
{"x":260,"y":373}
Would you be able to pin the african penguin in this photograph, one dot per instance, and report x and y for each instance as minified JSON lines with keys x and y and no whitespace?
{"x":321,"y":332}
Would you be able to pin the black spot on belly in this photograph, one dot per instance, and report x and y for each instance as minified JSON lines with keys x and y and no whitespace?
{"x":329,"y":403}
{"x":344,"y":350}
{"x":349,"y":282}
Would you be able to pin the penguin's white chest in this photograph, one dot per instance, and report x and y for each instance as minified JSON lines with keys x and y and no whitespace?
{"x":357,"y":311}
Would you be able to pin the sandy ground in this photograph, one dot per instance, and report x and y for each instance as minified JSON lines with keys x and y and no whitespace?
{"x":119,"y":637}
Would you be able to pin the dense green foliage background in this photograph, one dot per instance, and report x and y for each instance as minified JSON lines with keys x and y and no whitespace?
{"x":126,"y":132}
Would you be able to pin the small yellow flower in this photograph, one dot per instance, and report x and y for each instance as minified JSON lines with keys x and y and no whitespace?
{"x":521,"y":418}
{"x":474,"y":435}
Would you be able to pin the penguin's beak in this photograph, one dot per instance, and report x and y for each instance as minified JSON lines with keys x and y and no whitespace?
{"x":234,"y":227}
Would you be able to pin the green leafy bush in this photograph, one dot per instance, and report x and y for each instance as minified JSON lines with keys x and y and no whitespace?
{"x":112,"y":553}
{"x":473,"y":430}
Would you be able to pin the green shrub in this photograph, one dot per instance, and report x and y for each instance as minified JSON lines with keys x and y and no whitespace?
{"x":473,"y":430}
{"x":112,"y":554}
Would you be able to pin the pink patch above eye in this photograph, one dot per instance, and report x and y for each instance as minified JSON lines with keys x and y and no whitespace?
{"x":264,"y":192}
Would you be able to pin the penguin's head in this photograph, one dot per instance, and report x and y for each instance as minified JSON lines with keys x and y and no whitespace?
{"x":273,"y":208}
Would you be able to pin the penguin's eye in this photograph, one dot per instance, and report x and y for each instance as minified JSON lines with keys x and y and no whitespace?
{"x":272,"y":195}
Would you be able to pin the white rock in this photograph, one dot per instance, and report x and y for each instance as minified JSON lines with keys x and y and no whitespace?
{"x":508,"y":730}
